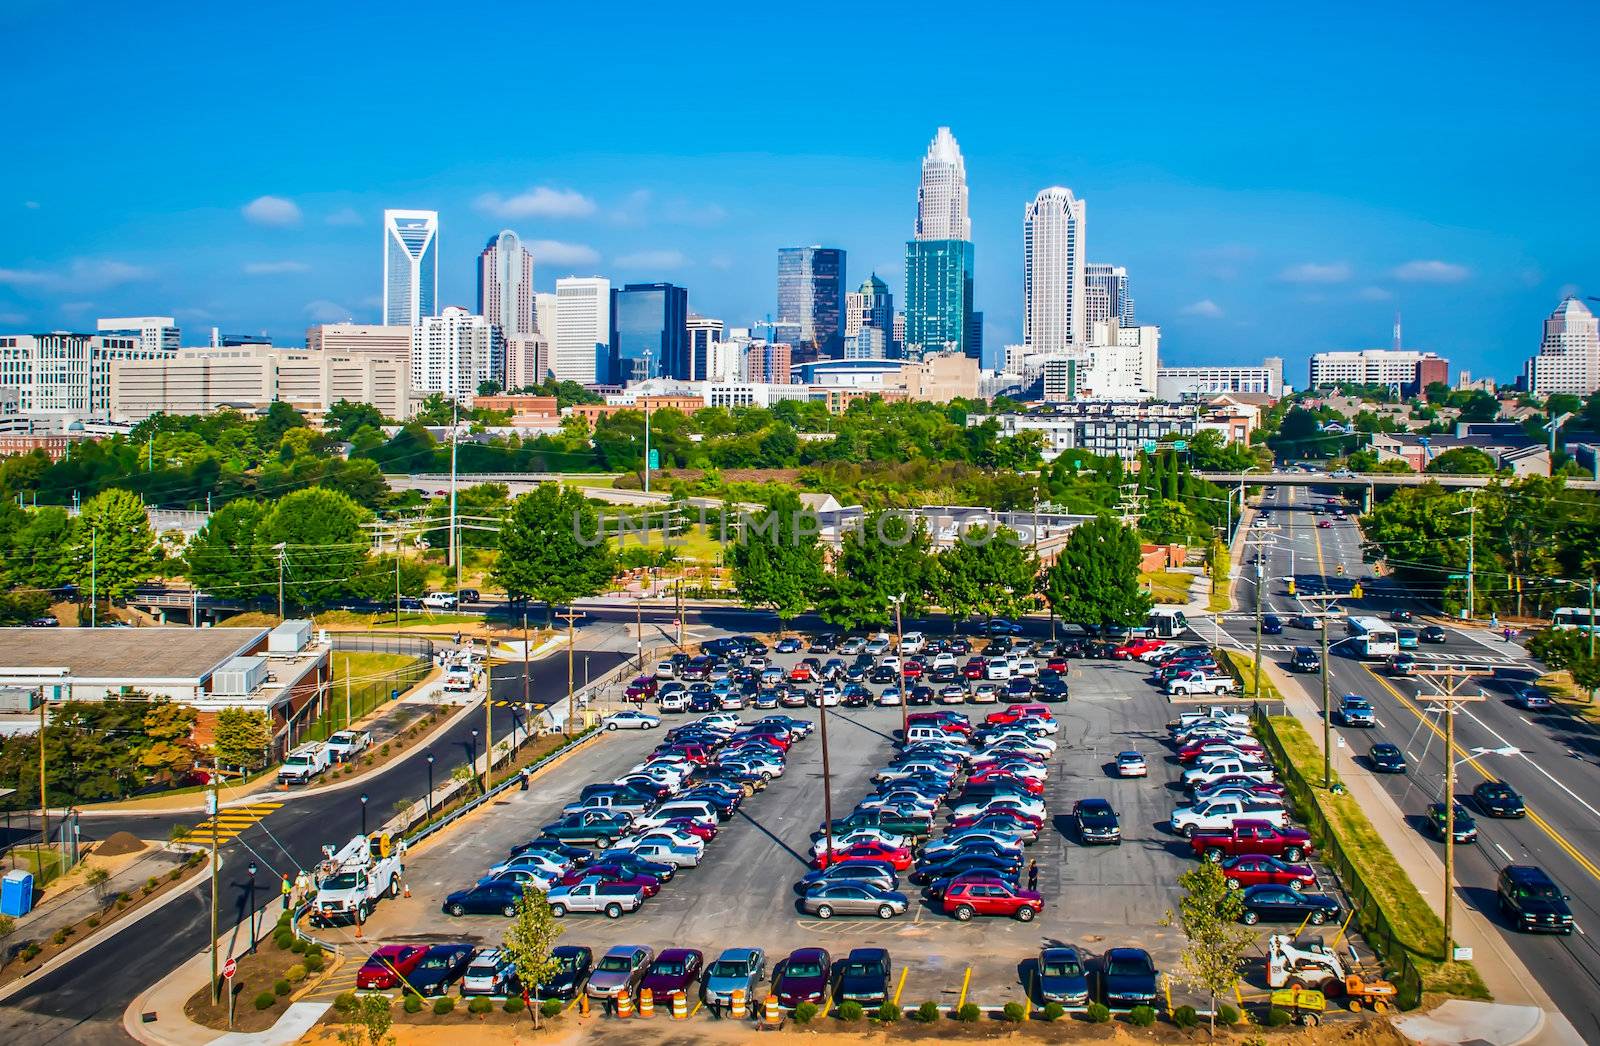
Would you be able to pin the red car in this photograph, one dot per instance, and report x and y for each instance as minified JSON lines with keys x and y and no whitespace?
{"x":1001,"y":773}
{"x":949,"y":722}
{"x":800,"y":673}
{"x":1012,"y":713}
{"x":642,"y":689}
{"x":911,"y":670}
{"x":385,"y":967}
{"x":759,"y":741}
{"x":1134,"y":648}
{"x":1256,"y":869}
{"x":612,"y":873}
{"x":897,"y":856}
{"x":701,"y":829}
{"x":700,"y":755}
{"x":973,"y":669}
{"x":1324,"y":524}
{"x":1190,"y":752}
{"x":1058,"y":664}
{"x":990,"y":895}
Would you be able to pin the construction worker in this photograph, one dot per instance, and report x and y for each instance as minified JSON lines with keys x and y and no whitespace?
{"x":524,"y":775}
{"x":287,"y":890}
{"x":302,"y":886}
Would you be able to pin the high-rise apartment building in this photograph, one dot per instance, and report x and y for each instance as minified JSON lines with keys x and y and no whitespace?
{"x":62,"y":373}
{"x":527,"y":361}
{"x":505,"y":285}
{"x":1569,"y":354}
{"x":649,"y":332}
{"x":454,"y":352}
{"x":361,"y":339}
{"x":410,"y":266}
{"x":942,"y":191}
{"x":1054,"y":317}
{"x":155,"y":333}
{"x":1413,"y":371}
{"x":768,"y":362}
{"x":939,"y":298}
{"x":582,"y":346}
{"x":1107,"y":288}
{"x":704,"y":332}
{"x":811,"y":294}
{"x":870,"y":306}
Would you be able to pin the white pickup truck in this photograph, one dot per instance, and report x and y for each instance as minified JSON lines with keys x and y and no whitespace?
{"x":357,"y":876}
{"x":304,"y":763}
{"x":1222,"y":813}
{"x":345,"y":745}
{"x":1201,"y":682}
{"x":611,"y":898}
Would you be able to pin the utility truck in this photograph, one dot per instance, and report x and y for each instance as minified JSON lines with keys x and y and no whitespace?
{"x":304,"y":763}
{"x":354,"y":877}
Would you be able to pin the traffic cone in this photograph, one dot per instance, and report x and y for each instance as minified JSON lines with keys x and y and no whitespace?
{"x":736,"y":1006}
{"x":647,"y":1003}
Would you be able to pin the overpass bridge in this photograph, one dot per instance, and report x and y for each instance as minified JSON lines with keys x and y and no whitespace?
{"x":1367,"y":483}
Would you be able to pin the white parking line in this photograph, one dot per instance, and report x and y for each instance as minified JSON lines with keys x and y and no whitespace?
{"x":1502,"y":850}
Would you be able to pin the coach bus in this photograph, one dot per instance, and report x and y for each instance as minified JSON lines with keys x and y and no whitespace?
{"x":1373,"y":639}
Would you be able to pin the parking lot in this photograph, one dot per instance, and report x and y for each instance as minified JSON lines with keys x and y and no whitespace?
{"x":743,"y":893}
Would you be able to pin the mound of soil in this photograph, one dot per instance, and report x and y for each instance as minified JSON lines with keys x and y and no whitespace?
{"x":119,"y":843}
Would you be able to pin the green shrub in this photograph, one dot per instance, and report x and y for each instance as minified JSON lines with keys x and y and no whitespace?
{"x":1097,"y":1012}
{"x":1014,"y":1012}
{"x":265,"y":1000}
{"x":1227,"y":1015}
{"x":1142,"y":1016}
{"x":314,"y":961}
{"x":969,"y":1013}
{"x":480,"y":1004}
{"x":30,"y":951}
{"x":1277,"y":1017}
{"x":174,"y":875}
{"x":298,"y":946}
{"x":805,"y":1013}
{"x":413,"y":1003}
{"x":295,"y":973}
{"x":93,"y":921}
{"x":283,"y":923}
{"x":551,"y":1007}
{"x":928,"y":1012}
{"x":344,"y":1003}
{"x":149,"y":886}
{"x":60,"y":936}
{"x":850,"y":1011}
{"x":443,"y":1005}
{"x":1054,"y":1011}
{"x":281,"y":986}
{"x":1185,"y":1017}
{"x":284,"y":939}
{"x":887,"y":1012}
{"x":514,"y":1004}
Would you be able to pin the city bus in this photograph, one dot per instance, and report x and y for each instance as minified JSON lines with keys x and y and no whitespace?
{"x":1373,"y":639}
{"x":1580,"y":618}
{"x":1166,"y":624}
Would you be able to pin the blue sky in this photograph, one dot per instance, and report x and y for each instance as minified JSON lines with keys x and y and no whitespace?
{"x":1277,"y":180}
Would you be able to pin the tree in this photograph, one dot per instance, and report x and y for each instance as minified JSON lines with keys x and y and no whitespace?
{"x":240,"y":737}
{"x":344,"y":418}
{"x":553,"y":548}
{"x":369,"y":1022}
{"x":1095,"y":580}
{"x":1568,"y":648}
{"x":988,"y":573}
{"x":1462,"y":461}
{"x":436,"y":409}
{"x":776,"y":560}
{"x":886,"y":557}
{"x":1217,"y":944}
{"x":169,"y":727}
{"x":40,"y":549}
{"x":324,"y":547}
{"x":113,"y":544}
{"x":225,"y":559}
{"x":489,"y":388}
{"x":279,"y":420}
{"x":530,"y":940}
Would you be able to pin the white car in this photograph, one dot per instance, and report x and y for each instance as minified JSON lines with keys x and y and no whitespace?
{"x":1036,"y":725}
{"x":1222,"y":813}
{"x":1131,"y":764}
{"x":877,"y":645}
{"x":663,"y":851}
{"x":997,"y":668}
{"x":913,"y":643}
{"x":439,"y":600}
{"x":1031,"y":806}
{"x":1150,"y":657}
{"x":1017,"y":737}
{"x":721,"y":720}
{"x":889,"y":661}
{"x":632,"y":719}
{"x":944,"y":660}
{"x":666,"y":670}
{"x":890,"y":696}
{"x":861,"y":834}
{"x":1202,"y":683}
{"x":677,"y":701}
{"x":1203,"y":774}
{"x":1026,"y":666}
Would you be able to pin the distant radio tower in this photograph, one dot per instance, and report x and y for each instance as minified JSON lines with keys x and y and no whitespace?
{"x":1397,"y":330}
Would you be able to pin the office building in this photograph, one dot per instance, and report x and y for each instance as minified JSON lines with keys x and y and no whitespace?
{"x":360,"y":339}
{"x":942,"y":191}
{"x":410,"y":266}
{"x":505,"y":285}
{"x":251,"y":379}
{"x":649,"y":332}
{"x":1174,"y":384}
{"x":454,"y":352}
{"x":544,"y":315}
{"x":527,"y":361}
{"x":62,"y":373}
{"x":871,"y":306}
{"x":1569,"y":354}
{"x":811,"y":296}
{"x":703,"y":332}
{"x":582,"y":348}
{"x":1120,"y":362}
{"x":939,"y":298}
{"x":899,"y":338}
{"x":1053,"y":310}
{"x":1106,"y":294}
{"x":767,"y":363}
{"x":1123,"y":429}
{"x":155,"y":333}
{"x":1411,"y":370}
{"x":868,"y":343}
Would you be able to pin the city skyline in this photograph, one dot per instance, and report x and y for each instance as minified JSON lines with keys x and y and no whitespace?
{"x":1240,"y":216}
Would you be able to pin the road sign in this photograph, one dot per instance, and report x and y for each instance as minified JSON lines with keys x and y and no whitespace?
{"x":230,"y":968}
{"x":655,"y":458}
{"x":1149,"y":446}
{"x":1180,"y":445}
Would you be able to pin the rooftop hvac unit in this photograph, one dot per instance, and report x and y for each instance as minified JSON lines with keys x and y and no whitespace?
{"x":290,"y":637}
{"x":18,"y":699}
{"x":240,"y":677}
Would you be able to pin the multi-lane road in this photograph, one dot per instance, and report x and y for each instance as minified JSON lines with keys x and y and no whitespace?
{"x":1552,"y":758}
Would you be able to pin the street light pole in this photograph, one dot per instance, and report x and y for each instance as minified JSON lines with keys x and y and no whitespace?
{"x":827,"y":782}
{"x":900,"y":650}
{"x":211,"y":803}
{"x":474,"y":766}
{"x":363,"y":815}
{"x":430,"y":786}
{"x":252,"y":871}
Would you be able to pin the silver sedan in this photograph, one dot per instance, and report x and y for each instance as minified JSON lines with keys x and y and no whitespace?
{"x":852,"y":898}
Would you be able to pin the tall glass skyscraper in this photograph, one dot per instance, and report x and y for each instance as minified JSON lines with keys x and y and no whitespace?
{"x":410,"y":266}
{"x":1053,"y":310}
{"x":505,"y":285}
{"x":653,"y":318}
{"x":939,"y":314}
{"x":811,"y":294}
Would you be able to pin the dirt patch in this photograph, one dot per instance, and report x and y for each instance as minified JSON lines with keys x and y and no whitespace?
{"x":118,"y":843}
{"x":256,"y":974}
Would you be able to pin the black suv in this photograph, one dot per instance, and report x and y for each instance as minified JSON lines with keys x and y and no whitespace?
{"x":1532,"y":901}
{"x":1305,"y":659}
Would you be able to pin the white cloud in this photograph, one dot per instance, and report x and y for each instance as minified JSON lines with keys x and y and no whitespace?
{"x":554,"y":252}
{"x":271,"y":210}
{"x":653,"y":260}
{"x":344,"y":216}
{"x":1432,"y":271}
{"x":82,"y":275}
{"x":540,"y":202}
{"x":274,"y":268}
{"x":32,"y":205}
{"x":1316,"y":272}
{"x":13,"y":319}
{"x":324,"y":311}
{"x":1205,"y":308}
{"x":1374,"y":294}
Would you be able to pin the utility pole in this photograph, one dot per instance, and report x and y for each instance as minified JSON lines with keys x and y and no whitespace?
{"x":1256,"y":545}
{"x":44,"y":803}
{"x":211,"y":803}
{"x":1325,"y":617}
{"x":488,"y":713}
{"x":677,"y":595}
{"x":282,"y":549}
{"x":572,"y":702}
{"x":1471,"y":512}
{"x":638,"y":627}
{"x":1450,"y":681}
{"x":646,"y":399}
{"x":900,"y":651}
{"x":94,"y":564}
{"x":397,"y":575}
{"x":525,"y":645}
{"x":827,"y":781}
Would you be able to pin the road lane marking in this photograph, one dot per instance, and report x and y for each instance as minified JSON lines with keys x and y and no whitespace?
{"x":1502,"y":850}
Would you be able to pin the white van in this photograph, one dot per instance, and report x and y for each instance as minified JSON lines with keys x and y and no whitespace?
{"x":913,"y":643}
{"x":920,"y":733}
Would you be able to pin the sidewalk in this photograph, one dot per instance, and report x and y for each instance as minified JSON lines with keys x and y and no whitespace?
{"x":80,"y":901}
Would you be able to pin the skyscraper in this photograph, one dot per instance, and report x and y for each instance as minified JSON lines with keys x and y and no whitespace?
{"x":942,"y":193}
{"x":1053,"y":307}
{"x":704,"y":332}
{"x":410,"y":266}
{"x":938,"y":297}
{"x":871,"y":306}
{"x":1108,"y":287}
{"x":454,"y":352}
{"x":1569,"y":354}
{"x":505,"y":285}
{"x":649,"y":318}
{"x":583,"y":329}
{"x":811,"y":294}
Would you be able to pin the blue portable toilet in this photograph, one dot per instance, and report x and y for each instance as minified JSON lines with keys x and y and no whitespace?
{"x":16,"y":893}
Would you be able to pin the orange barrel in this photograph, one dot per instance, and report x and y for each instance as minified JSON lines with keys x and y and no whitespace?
{"x":624,"y":1003}
{"x":680,"y":1006}
{"x":774,"y":1016}
{"x":647,"y":1003}
{"x":736,"y":1004}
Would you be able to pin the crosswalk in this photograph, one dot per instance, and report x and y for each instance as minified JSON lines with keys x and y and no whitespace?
{"x":232,"y":822}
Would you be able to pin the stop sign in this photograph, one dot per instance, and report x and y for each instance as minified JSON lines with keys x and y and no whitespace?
{"x":229,"y":968}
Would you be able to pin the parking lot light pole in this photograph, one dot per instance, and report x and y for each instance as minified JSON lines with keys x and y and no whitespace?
{"x":474,"y":766}
{"x":900,"y":651}
{"x":827,"y":782}
{"x":252,"y":870}
{"x":430,"y":786}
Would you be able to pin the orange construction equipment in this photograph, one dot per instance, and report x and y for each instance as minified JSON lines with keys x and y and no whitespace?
{"x":680,"y":1006}
{"x":624,"y":1003}
{"x":736,"y":1005}
{"x":773,"y":1015}
{"x":647,"y":1002}
{"x":1379,"y":994}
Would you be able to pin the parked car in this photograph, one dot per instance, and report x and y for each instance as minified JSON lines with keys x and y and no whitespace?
{"x":674,"y":970}
{"x":1062,"y":978}
{"x":852,"y":897}
{"x":1498,"y":799}
{"x":1258,"y":870}
{"x":1386,"y":758}
{"x":1532,"y":901}
{"x":1251,"y":837}
{"x":863,"y":977}
{"x":385,"y":966}
{"x":736,"y":969}
{"x":632,"y":719}
{"x":1128,"y":979}
{"x":620,"y":970}
{"x":1274,"y":903}
{"x":491,"y":972}
{"x":440,"y":967}
{"x":805,"y":976}
{"x":495,"y":897}
{"x":990,"y":895}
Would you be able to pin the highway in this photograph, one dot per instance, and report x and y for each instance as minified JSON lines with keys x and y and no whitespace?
{"x":1555,"y":763}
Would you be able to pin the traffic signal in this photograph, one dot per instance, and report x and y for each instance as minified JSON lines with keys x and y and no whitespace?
{"x":1291,"y":586}
{"x":1355,"y":590}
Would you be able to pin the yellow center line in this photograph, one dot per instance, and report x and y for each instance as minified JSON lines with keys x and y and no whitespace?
{"x":1585,"y":863}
